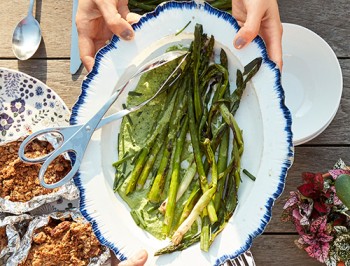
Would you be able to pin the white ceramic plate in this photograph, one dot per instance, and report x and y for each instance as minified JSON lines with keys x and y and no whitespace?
{"x":28,"y":105}
{"x":312,"y":80}
{"x":265,"y":120}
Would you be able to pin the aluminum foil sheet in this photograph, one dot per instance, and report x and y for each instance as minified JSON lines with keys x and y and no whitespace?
{"x":68,"y":191}
{"x":40,"y":221}
{"x":15,"y":227}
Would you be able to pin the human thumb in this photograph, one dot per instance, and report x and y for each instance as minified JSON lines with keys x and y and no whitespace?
{"x":139,"y":259}
{"x":248,"y":31}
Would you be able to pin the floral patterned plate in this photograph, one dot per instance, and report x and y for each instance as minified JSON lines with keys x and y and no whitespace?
{"x":26,"y":105}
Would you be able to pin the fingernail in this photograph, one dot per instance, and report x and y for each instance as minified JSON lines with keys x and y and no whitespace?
{"x":240,"y":42}
{"x":127,"y":35}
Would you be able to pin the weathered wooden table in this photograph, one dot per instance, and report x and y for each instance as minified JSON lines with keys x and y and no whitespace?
{"x":329,"y":19}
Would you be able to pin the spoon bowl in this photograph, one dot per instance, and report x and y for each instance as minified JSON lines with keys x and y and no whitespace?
{"x":26,"y":36}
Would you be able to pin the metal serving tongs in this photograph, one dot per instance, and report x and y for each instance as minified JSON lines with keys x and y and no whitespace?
{"x":76,"y":138}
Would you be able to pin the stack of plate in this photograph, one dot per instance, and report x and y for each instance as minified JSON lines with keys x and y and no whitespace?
{"x":312,"y":80}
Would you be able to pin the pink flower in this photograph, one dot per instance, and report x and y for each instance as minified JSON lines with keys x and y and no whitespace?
{"x":294,"y":199}
{"x":309,"y":190}
{"x":316,"y":179}
{"x":317,"y":240}
{"x":336,"y":172}
{"x":336,"y":200}
{"x":305,"y":210}
{"x":315,"y":211}
{"x":319,"y":252}
{"x":321,"y":207}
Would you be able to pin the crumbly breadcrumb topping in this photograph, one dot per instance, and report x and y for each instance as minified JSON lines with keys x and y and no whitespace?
{"x":62,"y":243}
{"x":18,"y":180}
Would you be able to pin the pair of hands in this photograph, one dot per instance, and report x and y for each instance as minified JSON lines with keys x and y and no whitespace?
{"x":98,"y":20}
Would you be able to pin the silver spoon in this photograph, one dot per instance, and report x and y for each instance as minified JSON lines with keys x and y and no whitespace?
{"x":26,"y":36}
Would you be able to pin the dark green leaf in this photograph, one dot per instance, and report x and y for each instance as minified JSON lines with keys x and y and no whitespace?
{"x":342,"y":186}
{"x":253,"y":66}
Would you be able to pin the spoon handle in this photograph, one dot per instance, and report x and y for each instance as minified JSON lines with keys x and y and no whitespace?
{"x":30,"y":10}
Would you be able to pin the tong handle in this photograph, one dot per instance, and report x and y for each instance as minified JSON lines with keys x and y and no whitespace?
{"x":63,"y":132}
{"x":50,"y":159}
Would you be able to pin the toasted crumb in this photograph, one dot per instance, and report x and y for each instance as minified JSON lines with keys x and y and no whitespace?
{"x":63,"y":243}
{"x":3,"y":238}
{"x":18,"y":180}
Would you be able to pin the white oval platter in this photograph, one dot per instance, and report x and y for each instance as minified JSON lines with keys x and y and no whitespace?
{"x":263,"y":116}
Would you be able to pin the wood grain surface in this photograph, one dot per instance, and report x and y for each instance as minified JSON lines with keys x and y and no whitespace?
{"x":329,"y":19}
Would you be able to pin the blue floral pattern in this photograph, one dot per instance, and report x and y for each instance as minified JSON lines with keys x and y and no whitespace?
{"x":27,"y":105}
{"x":18,"y":106}
{"x":11,"y":84}
{"x":5,"y":123}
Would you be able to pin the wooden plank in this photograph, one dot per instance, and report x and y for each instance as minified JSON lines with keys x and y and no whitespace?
{"x":55,"y":21}
{"x":276,"y":250}
{"x":54,"y":73}
{"x":318,"y":16}
{"x":318,"y":155}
